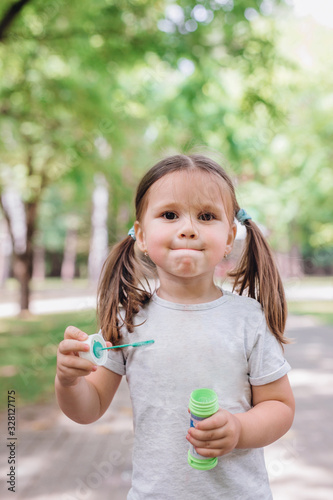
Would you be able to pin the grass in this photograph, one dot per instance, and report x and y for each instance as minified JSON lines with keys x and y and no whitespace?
{"x":12,"y":284}
{"x":322,"y":310}
{"x":28,"y":353}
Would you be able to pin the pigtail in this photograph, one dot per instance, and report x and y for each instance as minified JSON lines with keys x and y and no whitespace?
{"x":258,"y":276}
{"x":119,"y":288}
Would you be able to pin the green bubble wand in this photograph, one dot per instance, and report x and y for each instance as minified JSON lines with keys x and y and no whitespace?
{"x":97,"y":347}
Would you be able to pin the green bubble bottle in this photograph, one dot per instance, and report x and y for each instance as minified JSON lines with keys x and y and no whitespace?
{"x":203,"y":404}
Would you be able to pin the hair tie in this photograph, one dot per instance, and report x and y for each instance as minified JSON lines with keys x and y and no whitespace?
{"x":242,"y":216}
{"x":131,"y":233}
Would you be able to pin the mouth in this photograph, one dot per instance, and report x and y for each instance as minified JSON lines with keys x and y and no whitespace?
{"x":186,"y":249}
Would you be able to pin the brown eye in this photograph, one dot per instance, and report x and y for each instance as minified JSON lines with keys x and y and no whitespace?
{"x":170,"y":215}
{"x":206,"y":217}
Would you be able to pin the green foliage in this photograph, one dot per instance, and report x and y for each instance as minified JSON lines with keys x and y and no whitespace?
{"x":106,"y":86}
{"x":29,"y":348}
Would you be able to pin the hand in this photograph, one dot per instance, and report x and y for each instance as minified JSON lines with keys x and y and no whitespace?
{"x":215,"y":436}
{"x":69,"y":365}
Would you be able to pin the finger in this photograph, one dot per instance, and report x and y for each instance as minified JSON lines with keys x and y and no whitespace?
{"x":71,"y":375}
{"x":69,"y":346}
{"x":74,"y":373}
{"x":204,"y":436}
{"x":75,"y":363}
{"x":72,"y":332}
{"x":211,"y":444}
{"x":217,"y":420}
{"x":211,"y":453}
{"x":108,"y":344}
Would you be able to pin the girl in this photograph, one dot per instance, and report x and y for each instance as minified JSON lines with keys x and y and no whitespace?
{"x":204,"y":337}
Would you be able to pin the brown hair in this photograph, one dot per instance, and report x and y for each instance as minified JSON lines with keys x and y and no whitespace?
{"x":121,"y":285}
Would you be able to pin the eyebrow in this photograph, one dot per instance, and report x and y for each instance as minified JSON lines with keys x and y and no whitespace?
{"x":166,"y":206}
{"x":209,"y":207}
{"x":206,"y":207}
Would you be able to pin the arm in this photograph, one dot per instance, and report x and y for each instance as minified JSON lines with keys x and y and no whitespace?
{"x":83,"y":390}
{"x":269,"y":419}
{"x":271,"y":416}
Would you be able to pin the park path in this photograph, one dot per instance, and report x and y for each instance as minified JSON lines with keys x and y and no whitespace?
{"x":58,"y":459}
{"x":300,"y":464}
{"x":75,"y":298}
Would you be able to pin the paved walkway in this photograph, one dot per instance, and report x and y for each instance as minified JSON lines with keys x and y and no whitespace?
{"x":61,"y":460}
{"x":300,"y":464}
{"x":76,"y":299}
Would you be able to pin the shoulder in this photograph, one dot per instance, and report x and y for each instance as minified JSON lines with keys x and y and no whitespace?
{"x":247,"y":313}
{"x":242,"y":302}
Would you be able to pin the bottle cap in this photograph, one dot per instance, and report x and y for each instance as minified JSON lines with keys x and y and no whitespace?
{"x":201,"y":464}
{"x":203,"y":403}
{"x":95,"y":354}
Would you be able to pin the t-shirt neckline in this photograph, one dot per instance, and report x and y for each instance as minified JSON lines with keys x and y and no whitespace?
{"x":191,"y":307}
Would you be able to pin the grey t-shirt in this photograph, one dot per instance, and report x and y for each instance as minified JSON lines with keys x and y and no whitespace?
{"x":224,"y":345}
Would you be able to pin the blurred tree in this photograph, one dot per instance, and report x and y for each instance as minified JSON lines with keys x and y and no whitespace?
{"x":95,"y":86}
{"x":294,"y":181}
{"x":13,"y":10}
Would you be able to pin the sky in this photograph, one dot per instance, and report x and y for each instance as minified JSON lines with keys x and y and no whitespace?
{"x":320,"y":10}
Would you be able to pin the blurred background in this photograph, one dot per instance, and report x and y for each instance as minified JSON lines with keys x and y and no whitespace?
{"x":93,"y":93}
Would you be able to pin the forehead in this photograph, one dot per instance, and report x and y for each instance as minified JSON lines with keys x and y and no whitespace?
{"x":190,"y":187}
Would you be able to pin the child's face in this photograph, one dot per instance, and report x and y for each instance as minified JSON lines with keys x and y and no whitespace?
{"x":185,"y":228}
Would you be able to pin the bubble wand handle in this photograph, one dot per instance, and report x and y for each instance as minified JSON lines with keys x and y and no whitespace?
{"x":135,"y":344}
{"x":96,"y":343}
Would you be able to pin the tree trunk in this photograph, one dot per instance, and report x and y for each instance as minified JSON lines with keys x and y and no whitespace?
{"x":23,"y":267}
{"x":6,"y":249}
{"x":99,"y":237}
{"x":68,"y":263}
{"x":21,"y":273}
{"x":21,"y":219}
{"x":9,"y":16}
{"x":38,"y":268}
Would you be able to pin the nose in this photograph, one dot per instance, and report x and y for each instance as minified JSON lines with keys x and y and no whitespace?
{"x":188,"y":230}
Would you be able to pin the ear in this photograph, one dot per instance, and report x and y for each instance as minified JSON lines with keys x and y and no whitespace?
{"x":231,"y":238}
{"x":140,"y":236}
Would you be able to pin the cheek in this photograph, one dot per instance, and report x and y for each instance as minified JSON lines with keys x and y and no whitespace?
{"x":156,"y":243}
{"x":218,"y":244}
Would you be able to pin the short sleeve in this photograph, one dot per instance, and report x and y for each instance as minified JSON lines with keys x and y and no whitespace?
{"x":266,"y":361}
{"x":116,"y":362}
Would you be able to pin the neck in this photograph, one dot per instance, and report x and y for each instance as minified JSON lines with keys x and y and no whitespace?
{"x":191,"y":291}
